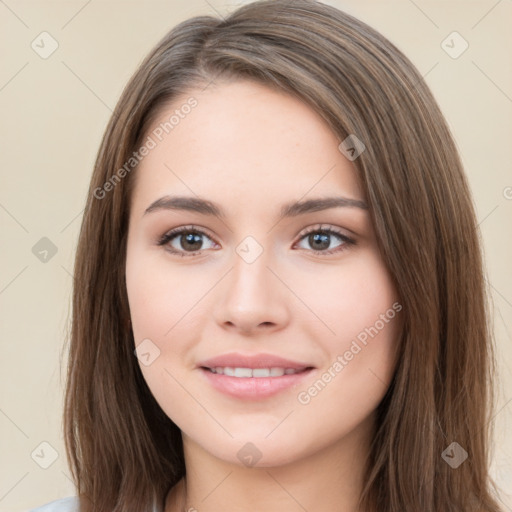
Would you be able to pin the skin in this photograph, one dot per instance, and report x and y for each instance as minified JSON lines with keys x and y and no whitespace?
{"x":251,"y":149}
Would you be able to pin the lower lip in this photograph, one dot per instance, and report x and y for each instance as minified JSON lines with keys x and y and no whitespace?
{"x":254,"y":387}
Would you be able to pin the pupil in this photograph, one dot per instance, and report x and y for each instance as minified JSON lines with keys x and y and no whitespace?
{"x":322,"y":238}
{"x":193,"y":238}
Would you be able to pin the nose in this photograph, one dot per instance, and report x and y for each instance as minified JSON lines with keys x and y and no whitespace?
{"x":252,"y":298}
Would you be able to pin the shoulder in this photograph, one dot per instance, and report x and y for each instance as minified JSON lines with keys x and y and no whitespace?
{"x":69,"y":504}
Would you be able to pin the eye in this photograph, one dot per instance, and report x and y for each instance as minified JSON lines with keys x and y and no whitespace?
{"x":188,"y":238}
{"x":320,"y":239}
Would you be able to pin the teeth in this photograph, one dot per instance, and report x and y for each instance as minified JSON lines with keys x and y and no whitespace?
{"x":261,"y":372}
{"x":250,"y":372}
{"x":242,"y":372}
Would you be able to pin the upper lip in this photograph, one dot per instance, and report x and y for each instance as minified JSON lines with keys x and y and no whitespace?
{"x":234,"y":360}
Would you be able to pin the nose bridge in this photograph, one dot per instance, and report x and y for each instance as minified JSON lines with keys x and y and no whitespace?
{"x":250,"y":272}
{"x":253,"y":296}
{"x":250,"y":276}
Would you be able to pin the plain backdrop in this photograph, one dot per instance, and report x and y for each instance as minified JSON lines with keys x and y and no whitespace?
{"x":54,"y":109}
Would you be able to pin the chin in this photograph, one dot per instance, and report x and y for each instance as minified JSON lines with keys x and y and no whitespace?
{"x":259,"y":453}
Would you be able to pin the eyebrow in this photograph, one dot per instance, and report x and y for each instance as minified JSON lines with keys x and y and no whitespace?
{"x":293,"y":209}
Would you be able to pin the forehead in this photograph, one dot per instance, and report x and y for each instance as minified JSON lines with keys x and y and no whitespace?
{"x":243,"y":142}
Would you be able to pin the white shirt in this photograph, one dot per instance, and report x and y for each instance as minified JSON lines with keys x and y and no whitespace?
{"x":69,"y":504}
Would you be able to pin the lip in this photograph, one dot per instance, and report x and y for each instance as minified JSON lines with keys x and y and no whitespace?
{"x":253,"y":388}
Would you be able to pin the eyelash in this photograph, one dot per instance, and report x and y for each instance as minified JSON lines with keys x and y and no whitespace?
{"x":167,"y":237}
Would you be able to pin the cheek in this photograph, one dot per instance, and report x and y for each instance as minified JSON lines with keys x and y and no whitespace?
{"x":349,"y":298}
{"x":156,"y":296}
{"x":360,"y":306}
{"x":159,"y":294}
{"x":166,"y":313}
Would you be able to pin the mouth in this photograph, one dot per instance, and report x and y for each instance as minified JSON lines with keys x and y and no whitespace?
{"x":254,"y":384}
{"x":253,"y":376}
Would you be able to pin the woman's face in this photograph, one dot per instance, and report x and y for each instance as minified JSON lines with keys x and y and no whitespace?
{"x":259,"y":278}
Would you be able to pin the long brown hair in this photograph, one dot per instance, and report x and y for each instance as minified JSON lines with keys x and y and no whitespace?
{"x":124,"y":452}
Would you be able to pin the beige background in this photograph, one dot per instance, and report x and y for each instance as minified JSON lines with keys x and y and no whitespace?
{"x":54,"y":111}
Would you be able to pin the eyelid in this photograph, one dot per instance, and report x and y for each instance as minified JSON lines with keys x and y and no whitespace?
{"x":323,"y":227}
{"x":172,"y":233}
{"x":331,"y":230}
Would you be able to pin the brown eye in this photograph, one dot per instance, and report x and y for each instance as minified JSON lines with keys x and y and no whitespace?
{"x":184,"y":241}
{"x":320,"y":239}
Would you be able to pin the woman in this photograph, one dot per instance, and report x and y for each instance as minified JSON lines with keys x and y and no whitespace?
{"x":323,"y":343}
